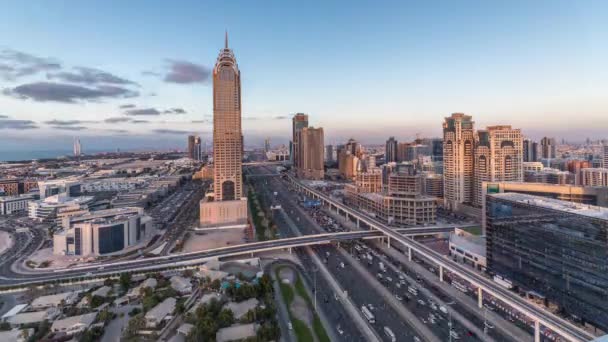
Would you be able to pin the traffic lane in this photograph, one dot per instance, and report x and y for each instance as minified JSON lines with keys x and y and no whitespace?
{"x":363,"y":293}
{"x":329,"y":303}
{"x":427,"y":310}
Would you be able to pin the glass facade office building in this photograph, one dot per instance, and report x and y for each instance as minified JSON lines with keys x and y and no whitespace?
{"x":555,"y":248}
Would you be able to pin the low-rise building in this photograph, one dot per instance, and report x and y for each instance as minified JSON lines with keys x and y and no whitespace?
{"x":95,"y":235}
{"x":26,"y":318}
{"x":468,"y":248}
{"x":54,"y":208}
{"x":236,"y":332}
{"x":15,"y":204}
{"x":55,"y":300}
{"x":594,"y":177}
{"x":181,"y":285}
{"x":75,"y":324}
{"x":103,"y":291}
{"x":241,"y":308}
{"x":159,"y":313}
{"x":14,"y":311}
{"x":16,"y":335}
{"x":394,"y":210}
{"x":136,"y":291}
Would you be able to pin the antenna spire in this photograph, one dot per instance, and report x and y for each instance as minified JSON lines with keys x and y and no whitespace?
{"x":226,"y":41}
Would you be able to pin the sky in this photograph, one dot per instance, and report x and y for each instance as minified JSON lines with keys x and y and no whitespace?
{"x":136,"y":74}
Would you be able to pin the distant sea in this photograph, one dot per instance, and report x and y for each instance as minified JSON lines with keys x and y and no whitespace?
{"x":29,"y":155}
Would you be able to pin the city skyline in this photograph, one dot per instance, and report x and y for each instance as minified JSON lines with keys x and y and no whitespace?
{"x":505,"y":65}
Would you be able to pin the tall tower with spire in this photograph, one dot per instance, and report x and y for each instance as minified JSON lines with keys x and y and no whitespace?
{"x":227,"y":135}
{"x":227,"y":206}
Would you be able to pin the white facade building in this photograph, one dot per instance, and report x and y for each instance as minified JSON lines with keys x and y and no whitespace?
{"x":52,"y":209}
{"x":15,"y":204}
{"x":104,"y":234}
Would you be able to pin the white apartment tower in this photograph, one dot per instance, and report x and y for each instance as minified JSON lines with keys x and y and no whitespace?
{"x":458,"y":140}
{"x":498,"y":158}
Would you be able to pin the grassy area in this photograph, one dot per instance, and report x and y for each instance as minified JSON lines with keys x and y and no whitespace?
{"x":320,"y":330}
{"x":288,"y":296}
{"x":473,"y":230}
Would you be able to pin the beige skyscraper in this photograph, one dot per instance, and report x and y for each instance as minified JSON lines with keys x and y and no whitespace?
{"x":227,"y":206}
{"x":498,"y":157}
{"x":227,"y":137}
{"x":310,"y":146}
{"x":458,"y":140}
{"x":299,"y":121}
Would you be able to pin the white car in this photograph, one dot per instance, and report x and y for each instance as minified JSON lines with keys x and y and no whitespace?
{"x":289,"y":326}
{"x":340,"y":331}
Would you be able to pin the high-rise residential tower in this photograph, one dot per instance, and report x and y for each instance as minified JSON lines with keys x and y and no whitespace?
{"x":329,"y":153}
{"x":390,"y":150}
{"x":498,"y":158}
{"x":458,"y":140}
{"x":191,"y":143}
{"x":530,"y":150}
{"x":311,"y":146}
{"x":299,"y":121}
{"x":548,"y":148}
{"x":228,"y":206}
{"x":605,"y":156}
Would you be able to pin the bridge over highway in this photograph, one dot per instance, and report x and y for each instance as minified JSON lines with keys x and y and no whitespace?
{"x":102,"y":270}
{"x":561,"y":326}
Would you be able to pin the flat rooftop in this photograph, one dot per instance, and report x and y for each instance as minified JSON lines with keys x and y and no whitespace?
{"x":555,"y":204}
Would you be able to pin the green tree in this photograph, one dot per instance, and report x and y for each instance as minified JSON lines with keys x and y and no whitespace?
{"x":225,"y":318}
{"x":135,"y":324}
{"x":216,"y":284}
{"x":125,"y":281}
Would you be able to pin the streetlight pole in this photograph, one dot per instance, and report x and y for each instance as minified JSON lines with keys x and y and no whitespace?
{"x":314,"y":271}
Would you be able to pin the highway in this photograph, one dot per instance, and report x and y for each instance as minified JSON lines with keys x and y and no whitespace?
{"x":563,"y":327}
{"x":360,"y":282}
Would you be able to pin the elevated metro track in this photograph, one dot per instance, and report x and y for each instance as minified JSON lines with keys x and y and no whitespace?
{"x":563,"y":327}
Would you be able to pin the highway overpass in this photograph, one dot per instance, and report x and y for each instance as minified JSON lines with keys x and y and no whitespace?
{"x":101,"y":270}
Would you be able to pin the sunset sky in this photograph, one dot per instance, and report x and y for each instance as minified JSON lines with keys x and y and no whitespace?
{"x":135,"y":74}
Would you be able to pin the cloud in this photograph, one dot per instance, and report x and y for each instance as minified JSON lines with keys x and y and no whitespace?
{"x":169,"y":131}
{"x":70,"y":128}
{"x":56,"y":122}
{"x":117,"y":119}
{"x":143,"y":111}
{"x":16,"y":64}
{"x":154,"y":111}
{"x":67,"y":93}
{"x":183,"y":72}
{"x":89,"y":76}
{"x":281,"y":117}
{"x":174,"y":111}
{"x":119,"y":131}
{"x":140,"y":121}
{"x":3,"y":117}
{"x":250,"y":118}
{"x":200,"y":121}
{"x":151,"y":73}
{"x":126,"y":106}
{"x":17,"y":124}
